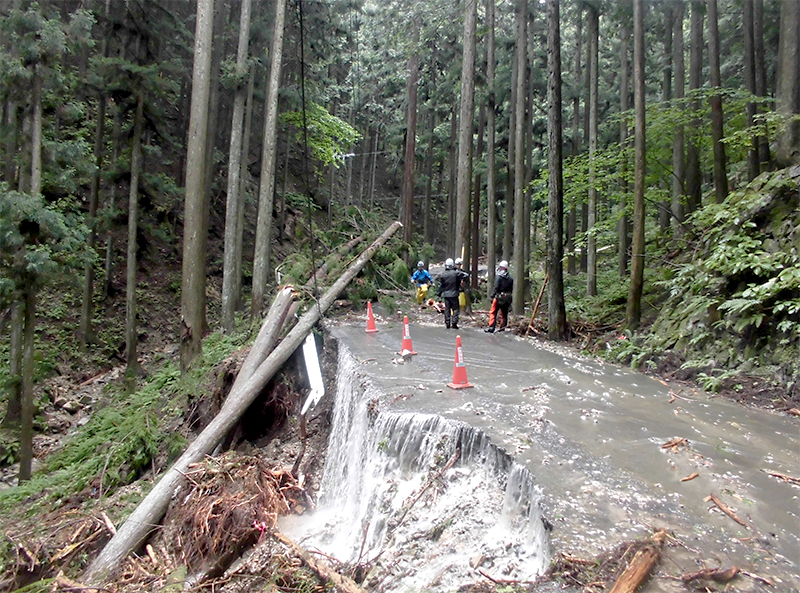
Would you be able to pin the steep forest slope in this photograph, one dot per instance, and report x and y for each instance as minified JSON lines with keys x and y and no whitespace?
{"x":729,"y":310}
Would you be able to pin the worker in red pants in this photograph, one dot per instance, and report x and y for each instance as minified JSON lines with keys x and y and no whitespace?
{"x":501,"y":298}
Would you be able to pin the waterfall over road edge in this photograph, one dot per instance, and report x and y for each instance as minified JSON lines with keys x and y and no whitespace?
{"x":483,"y":514}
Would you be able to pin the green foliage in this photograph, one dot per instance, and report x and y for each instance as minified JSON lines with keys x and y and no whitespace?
{"x":329,"y":137}
{"x":729,"y":306}
{"x":9,"y":448}
{"x":126,"y":432}
{"x":37,"y":240}
{"x":400,"y":273}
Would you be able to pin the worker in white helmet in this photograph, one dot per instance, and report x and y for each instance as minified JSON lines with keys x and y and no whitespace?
{"x":501,"y":298}
{"x":423,"y":280}
{"x":447,"y":288}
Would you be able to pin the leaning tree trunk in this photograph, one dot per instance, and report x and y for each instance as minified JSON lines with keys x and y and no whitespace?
{"x":149,"y":512}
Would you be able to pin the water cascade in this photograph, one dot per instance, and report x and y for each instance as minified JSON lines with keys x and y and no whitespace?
{"x":483,"y":514}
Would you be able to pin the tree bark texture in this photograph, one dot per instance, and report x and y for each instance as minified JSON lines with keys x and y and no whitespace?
{"x":466,"y":121}
{"x":263,"y":245}
{"x":426,"y":209}
{"x":36,"y":133}
{"x":235,"y":195}
{"x":623,"y":224}
{"x":452,"y":163}
{"x":519,"y":161}
{"x":146,"y":516}
{"x":491,"y":176}
{"x":475,"y":242}
{"x":26,"y":424}
{"x":749,"y":65}
{"x":244,"y":179}
{"x":665,"y":207}
{"x":572,"y":216}
{"x":193,"y":271}
{"x":132,"y":265}
{"x":15,"y":347}
{"x":407,"y":203}
{"x":556,"y":311}
{"x":508,"y":211}
{"x":760,"y":75}
{"x":643,"y":562}
{"x":85,"y":323}
{"x":678,"y":159}
{"x":787,"y":91}
{"x":633,"y":312}
{"x":593,"y":38}
{"x":717,"y":133}
{"x":693,"y":172}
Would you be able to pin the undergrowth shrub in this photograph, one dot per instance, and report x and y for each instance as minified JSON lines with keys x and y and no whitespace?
{"x":127,"y":432}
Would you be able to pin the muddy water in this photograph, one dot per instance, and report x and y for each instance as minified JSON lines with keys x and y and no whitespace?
{"x":590,"y":436}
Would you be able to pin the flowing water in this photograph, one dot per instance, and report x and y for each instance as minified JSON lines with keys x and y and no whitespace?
{"x":548,"y":441}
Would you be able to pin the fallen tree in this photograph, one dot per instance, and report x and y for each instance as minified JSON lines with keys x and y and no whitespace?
{"x":149,"y":512}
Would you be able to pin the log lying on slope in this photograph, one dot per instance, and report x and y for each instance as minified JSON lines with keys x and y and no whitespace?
{"x":146,"y":516}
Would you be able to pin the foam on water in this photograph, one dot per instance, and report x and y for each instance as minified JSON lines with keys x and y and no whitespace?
{"x":482,"y":514}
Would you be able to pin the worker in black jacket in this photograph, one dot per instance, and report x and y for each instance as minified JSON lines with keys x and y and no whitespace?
{"x":447,"y":288}
{"x":501,"y":298}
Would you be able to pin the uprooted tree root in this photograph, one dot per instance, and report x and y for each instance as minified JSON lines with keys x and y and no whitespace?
{"x":227,"y":504}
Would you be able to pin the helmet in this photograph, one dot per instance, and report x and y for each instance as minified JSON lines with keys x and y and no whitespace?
{"x":503,"y":265}
{"x":448,"y":264}
{"x":459,"y":261}
{"x":420,"y":264}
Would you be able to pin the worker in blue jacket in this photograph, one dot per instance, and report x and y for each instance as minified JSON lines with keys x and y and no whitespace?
{"x":423,"y":280}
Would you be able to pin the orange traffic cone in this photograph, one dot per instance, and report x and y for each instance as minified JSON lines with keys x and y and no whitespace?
{"x":406,"y":347}
{"x":459,"y":370}
{"x":370,"y":319}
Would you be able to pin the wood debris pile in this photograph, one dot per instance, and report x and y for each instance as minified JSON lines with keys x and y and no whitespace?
{"x":596,"y":574}
{"x":228,"y":503}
